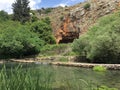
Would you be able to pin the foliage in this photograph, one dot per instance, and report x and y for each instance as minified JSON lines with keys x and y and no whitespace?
{"x":63,"y":59}
{"x":87,"y":6}
{"x":99,"y":68}
{"x":44,"y":31}
{"x":4,"y":16}
{"x":21,"y":10}
{"x":47,"y":10}
{"x":61,"y":18}
{"x":56,"y":49}
{"x":34,"y":19}
{"x":16,"y":40}
{"x":19,"y":78}
{"x":105,"y":88}
{"x":47,"y":20}
{"x":25,"y":77}
{"x":101,"y":44}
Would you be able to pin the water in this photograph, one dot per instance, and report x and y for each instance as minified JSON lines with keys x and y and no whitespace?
{"x":74,"y":78}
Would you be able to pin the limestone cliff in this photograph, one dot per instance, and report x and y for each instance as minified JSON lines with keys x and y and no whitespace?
{"x":70,"y":22}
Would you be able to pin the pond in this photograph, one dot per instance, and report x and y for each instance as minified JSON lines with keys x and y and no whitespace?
{"x":72,"y":78}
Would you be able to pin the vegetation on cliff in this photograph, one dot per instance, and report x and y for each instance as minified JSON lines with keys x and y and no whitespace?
{"x":101,"y":43}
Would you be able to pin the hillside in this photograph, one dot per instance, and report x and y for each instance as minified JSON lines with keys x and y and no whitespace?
{"x":70,"y":22}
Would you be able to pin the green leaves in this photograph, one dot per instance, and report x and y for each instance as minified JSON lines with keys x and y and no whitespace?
{"x":102,"y":42}
{"x":44,"y":31}
{"x":19,"y":41}
{"x":3,"y":16}
{"x":21,"y":11}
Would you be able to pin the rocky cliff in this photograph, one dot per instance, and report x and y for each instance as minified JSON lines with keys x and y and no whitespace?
{"x":70,"y":22}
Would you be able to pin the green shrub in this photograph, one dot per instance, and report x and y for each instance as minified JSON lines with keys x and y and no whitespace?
{"x":34,"y":19}
{"x":16,"y":41}
{"x":61,"y":18}
{"x":48,"y":10}
{"x":56,"y":49}
{"x":99,"y":68}
{"x":101,"y":44}
{"x":4,"y":16}
{"x":44,"y":31}
{"x":87,"y":6}
{"x":63,"y":59}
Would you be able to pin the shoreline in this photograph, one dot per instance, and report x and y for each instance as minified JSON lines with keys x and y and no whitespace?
{"x":87,"y":65}
{"x":58,"y":63}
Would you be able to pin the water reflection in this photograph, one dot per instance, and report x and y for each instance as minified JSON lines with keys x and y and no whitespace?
{"x":73,"y":78}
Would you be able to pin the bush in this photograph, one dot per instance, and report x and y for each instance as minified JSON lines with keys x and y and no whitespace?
{"x":18,"y":41}
{"x":3,"y":16}
{"x":87,"y":6}
{"x":44,"y":31}
{"x":34,"y":19}
{"x":101,"y":43}
{"x":99,"y":68}
{"x":48,"y":10}
{"x":61,"y":18}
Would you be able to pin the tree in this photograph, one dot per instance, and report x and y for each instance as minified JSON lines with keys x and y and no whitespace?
{"x":18,"y":41}
{"x":44,"y":30}
{"x":3,"y":16}
{"x":21,"y":11}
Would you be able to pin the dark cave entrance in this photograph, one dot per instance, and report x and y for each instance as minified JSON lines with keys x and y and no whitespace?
{"x":69,"y":38}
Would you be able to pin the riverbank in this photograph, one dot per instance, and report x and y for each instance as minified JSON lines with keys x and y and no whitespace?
{"x":55,"y":61}
{"x":87,"y":65}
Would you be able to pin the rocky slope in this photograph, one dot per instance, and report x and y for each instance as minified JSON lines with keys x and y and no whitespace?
{"x":70,"y":22}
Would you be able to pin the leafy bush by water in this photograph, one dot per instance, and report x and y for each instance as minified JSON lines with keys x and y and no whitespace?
{"x":17,"y":41}
{"x":101,"y":44}
{"x":99,"y":68}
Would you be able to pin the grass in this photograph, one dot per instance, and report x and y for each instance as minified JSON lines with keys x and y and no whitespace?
{"x":105,"y":88}
{"x":99,"y":68}
{"x":63,"y":59}
{"x":57,"y":49}
{"x":20,"y":78}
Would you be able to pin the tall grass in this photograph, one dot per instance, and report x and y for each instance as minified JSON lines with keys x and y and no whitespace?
{"x":21,"y":79}
{"x":43,"y":78}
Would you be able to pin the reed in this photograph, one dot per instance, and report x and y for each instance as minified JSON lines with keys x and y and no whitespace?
{"x":24,"y":79}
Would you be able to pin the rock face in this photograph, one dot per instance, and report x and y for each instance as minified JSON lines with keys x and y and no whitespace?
{"x":69,"y":23}
{"x":67,"y":31}
{"x":79,"y":19}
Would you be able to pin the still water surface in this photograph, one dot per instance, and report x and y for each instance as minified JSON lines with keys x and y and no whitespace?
{"x":74,"y":78}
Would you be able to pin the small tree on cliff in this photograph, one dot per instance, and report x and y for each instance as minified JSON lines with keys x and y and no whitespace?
{"x":21,"y":10}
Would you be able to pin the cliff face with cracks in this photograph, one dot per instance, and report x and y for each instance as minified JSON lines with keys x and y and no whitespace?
{"x":80,"y":19}
{"x":70,"y":22}
{"x":67,"y":31}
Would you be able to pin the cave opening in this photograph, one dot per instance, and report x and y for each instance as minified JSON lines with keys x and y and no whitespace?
{"x":66,"y":41}
{"x":70,"y":38}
